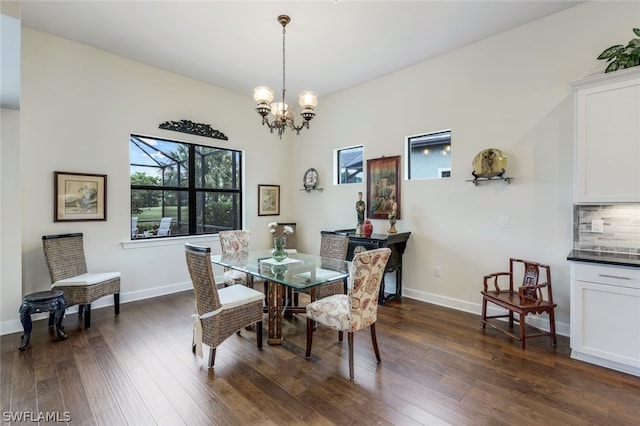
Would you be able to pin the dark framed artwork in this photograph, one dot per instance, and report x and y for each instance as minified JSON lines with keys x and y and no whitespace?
{"x":268,"y":200}
{"x":383,"y":187}
{"x":79,"y":197}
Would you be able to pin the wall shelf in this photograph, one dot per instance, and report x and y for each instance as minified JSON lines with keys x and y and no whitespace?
{"x":312,"y":189}
{"x":476,"y":181}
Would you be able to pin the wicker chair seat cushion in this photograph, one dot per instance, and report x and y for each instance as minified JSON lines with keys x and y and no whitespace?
{"x":332,"y":311}
{"x":237,"y":295}
{"x":90,"y":278}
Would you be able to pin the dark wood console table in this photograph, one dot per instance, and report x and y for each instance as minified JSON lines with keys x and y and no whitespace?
{"x":396,"y":242}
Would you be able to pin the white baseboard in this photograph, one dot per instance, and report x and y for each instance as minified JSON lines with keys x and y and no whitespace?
{"x":15,"y":326}
{"x":562,"y":329}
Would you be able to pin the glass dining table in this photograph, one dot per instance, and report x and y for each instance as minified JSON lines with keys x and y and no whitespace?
{"x":298,"y":271}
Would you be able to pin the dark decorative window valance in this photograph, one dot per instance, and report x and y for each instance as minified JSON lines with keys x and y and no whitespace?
{"x":200,"y":129}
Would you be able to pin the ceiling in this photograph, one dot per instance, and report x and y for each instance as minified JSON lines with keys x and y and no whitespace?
{"x":330,"y":46}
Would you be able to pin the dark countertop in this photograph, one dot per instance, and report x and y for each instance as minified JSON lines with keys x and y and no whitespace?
{"x":619,"y":259}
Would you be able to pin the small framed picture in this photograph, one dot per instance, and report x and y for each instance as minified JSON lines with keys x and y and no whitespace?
{"x":79,"y":197}
{"x":268,"y":200}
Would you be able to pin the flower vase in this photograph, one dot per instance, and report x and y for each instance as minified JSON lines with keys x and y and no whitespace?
{"x":367,"y":228}
{"x":279,"y":253}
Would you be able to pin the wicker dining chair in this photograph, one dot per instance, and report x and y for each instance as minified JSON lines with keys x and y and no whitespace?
{"x":64,"y":254}
{"x":358,"y":308}
{"x":219,"y":313}
{"x":332,"y":246}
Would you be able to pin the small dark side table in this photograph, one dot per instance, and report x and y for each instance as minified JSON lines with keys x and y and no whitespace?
{"x":43,"y":301}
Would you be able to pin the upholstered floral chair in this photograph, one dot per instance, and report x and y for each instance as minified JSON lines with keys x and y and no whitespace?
{"x":235,"y":242}
{"x":358,"y":308}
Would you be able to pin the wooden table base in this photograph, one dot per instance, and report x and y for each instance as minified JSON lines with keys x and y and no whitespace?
{"x":278,"y":304}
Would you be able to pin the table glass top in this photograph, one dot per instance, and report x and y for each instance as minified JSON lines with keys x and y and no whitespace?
{"x":299,"y":270}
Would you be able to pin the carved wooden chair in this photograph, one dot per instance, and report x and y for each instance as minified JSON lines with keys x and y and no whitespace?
{"x":358,"y":308}
{"x":219,"y":313}
{"x":64,"y":254}
{"x":531,"y":297}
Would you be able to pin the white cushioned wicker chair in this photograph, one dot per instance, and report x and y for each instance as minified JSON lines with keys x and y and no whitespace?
{"x":358,"y":308}
{"x":64,"y":254}
{"x":219,"y":313}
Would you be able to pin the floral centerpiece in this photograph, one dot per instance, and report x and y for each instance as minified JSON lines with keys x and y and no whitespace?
{"x":280,"y":241}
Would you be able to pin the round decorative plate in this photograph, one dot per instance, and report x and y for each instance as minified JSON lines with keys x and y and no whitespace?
{"x":489,"y":163}
{"x":310,"y":178}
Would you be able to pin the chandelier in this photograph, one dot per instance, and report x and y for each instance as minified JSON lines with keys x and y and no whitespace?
{"x":282,"y":113}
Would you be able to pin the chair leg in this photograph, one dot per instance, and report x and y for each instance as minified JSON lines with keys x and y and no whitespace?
{"x":552,"y":327}
{"x":116,"y":303}
{"x":350,"y":340}
{"x":484,"y":313}
{"x":340,"y":336}
{"x":52,"y":316}
{"x":309,"y":336}
{"x":374,"y":341}
{"x":87,"y":315}
{"x":523,"y":318}
{"x":259,"y":333}
{"x":80,"y":309}
{"x":212,"y":357}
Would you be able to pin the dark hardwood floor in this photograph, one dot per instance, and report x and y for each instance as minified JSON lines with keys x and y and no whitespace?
{"x":438,"y":368}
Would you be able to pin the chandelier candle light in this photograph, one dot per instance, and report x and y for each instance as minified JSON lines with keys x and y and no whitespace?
{"x":282,"y":113}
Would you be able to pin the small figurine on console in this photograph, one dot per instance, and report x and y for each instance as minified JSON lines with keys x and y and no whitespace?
{"x":392,"y":218}
{"x":360,"y":209}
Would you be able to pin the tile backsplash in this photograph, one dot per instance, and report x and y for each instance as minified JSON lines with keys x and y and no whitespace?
{"x":620,"y":231}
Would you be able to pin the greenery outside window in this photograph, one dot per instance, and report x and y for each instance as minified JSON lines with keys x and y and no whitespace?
{"x":199,"y":187}
{"x":349,"y":165}
{"x":429,"y":155}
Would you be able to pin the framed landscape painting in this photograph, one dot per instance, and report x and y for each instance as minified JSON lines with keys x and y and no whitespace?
{"x":79,"y":197}
{"x":383,"y":187}
{"x":268,"y":200}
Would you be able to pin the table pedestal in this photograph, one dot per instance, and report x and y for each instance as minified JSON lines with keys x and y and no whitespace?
{"x":278,"y":304}
{"x":43,"y":301}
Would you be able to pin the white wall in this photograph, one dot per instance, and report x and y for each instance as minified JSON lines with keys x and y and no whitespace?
{"x":10,"y":218}
{"x":79,"y":106}
{"x":509,"y":92}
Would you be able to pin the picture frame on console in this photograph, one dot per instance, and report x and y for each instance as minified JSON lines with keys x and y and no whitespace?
{"x":383,"y":187}
{"x":79,"y":197}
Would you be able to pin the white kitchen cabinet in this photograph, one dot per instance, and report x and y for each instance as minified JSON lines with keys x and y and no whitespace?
{"x":607,"y":138}
{"x":605,"y":316}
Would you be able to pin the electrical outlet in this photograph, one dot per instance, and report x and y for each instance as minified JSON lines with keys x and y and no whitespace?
{"x":597,"y":226}
{"x":504,"y":222}
{"x":436,"y":271}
